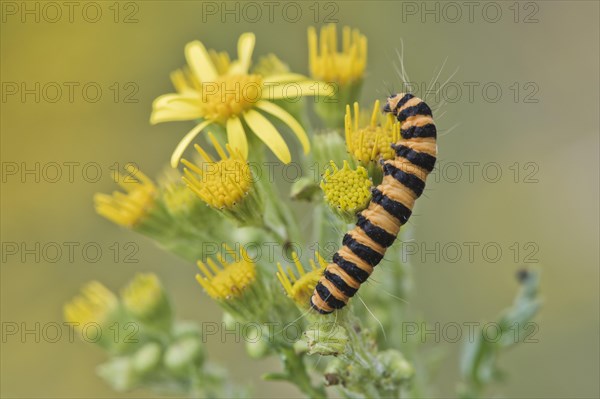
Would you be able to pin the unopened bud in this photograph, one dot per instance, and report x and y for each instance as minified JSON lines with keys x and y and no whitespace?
{"x":327,"y":340}
{"x":183,"y":354}
{"x":119,"y":373}
{"x":147,"y":358}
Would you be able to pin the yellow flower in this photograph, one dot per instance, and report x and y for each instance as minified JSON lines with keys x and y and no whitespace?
{"x":225,"y":184}
{"x":178,"y":199}
{"x":145,"y":298}
{"x":373,"y":142}
{"x":227,"y":280}
{"x":270,"y":65}
{"x":217,"y":91}
{"x":300,"y":287}
{"x":347,"y":191}
{"x":329,"y":65}
{"x":128,"y":209}
{"x":95,"y":305}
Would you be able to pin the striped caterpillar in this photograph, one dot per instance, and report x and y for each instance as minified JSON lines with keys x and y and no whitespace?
{"x":390,"y":207}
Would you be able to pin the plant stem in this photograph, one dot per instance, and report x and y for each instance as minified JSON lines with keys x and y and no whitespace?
{"x":296,"y":373}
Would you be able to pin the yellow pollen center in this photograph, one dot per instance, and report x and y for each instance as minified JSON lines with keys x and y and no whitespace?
{"x":371,"y":144}
{"x":230,"y":95}
{"x":224,"y":183}
{"x":346,"y":189}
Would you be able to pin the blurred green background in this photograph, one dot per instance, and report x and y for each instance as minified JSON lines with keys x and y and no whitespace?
{"x":544,"y":51}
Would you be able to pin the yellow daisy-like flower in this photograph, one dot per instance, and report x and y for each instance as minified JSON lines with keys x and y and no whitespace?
{"x":347,"y":191}
{"x":223,"y":183}
{"x":217,"y":91}
{"x":95,"y":305}
{"x":300,"y":287}
{"x":371,"y":143}
{"x":329,"y":64}
{"x":227,"y":280}
{"x":226,"y":185}
{"x":128,"y":209}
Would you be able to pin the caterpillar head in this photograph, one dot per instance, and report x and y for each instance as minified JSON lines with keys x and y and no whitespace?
{"x":392,"y":102}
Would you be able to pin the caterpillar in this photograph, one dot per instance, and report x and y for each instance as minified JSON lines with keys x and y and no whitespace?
{"x":391,"y":205}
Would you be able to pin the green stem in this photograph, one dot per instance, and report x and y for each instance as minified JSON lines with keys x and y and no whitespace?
{"x":278,"y":236}
{"x":296,"y":374}
{"x":283,"y":213}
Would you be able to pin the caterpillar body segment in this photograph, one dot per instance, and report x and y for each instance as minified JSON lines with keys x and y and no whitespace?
{"x":391,"y":205}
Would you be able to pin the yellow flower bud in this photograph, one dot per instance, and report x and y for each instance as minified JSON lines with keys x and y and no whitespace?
{"x":329,"y":64}
{"x":145,"y":299}
{"x":131,"y":208}
{"x":299,"y":287}
{"x":226,"y":185}
{"x":371,"y":143}
{"x":347,"y":191}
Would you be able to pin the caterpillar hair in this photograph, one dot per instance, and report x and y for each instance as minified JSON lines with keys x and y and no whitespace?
{"x":391,"y":205}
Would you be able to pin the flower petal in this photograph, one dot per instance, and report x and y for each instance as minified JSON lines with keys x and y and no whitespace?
{"x":166,"y":99}
{"x":268,"y":134}
{"x":288,"y":119}
{"x":245,"y":50}
{"x":179,"y":81}
{"x":199,"y":61}
{"x":284,"y":77}
{"x":185,"y":142}
{"x":175,"y":107}
{"x":295,"y":90}
{"x":236,"y":136}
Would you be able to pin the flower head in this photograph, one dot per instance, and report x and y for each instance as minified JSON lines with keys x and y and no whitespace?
{"x":345,"y":68}
{"x":130,"y":208}
{"x":347,"y":191}
{"x":371,"y":143}
{"x":299,"y":287}
{"x":96,"y":304}
{"x":226,"y":281}
{"x":215,"y":90}
{"x":145,"y":299}
{"x":184,"y":354}
{"x":226,"y":184}
{"x":178,"y":199}
{"x":329,"y":64}
{"x":270,"y":65}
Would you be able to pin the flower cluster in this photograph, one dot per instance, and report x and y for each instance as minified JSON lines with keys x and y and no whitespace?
{"x":225,"y":194}
{"x":147,"y":347}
